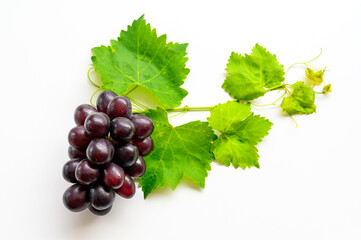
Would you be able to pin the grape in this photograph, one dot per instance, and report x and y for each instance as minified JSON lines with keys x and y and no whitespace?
{"x":76,"y":198}
{"x":100,"y":151}
{"x":127,"y":190}
{"x":126,"y":155}
{"x":119,"y":107}
{"x":99,"y":212}
{"x":97,"y":124}
{"x":69,"y":170}
{"x":143,"y":126}
{"x":106,"y":152}
{"x":104,"y":99}
{"x":137,"y":169}
{"x":85,"y":173}
{"x":145,"y":146}
{"x":81,"y":112}
{"x":74,"y":153}
{"x":79,"y":138}
{"x":113,"y":175}
{"x":122,"y":129}
{"x":101,"y":197}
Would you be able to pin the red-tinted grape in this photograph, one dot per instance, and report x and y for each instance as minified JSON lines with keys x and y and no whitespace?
{"x":69,"y":170}
{"x":104,"y":99}
{"x":99,"y":212}
{"x":97,"y":124}
{"x":74,"y":153}
{"x":76,"y":198}
{"x":101,"y":197}
{"x":126,"y":155}
{"x":119,"y":107}
{"x":113,"y":175}
{"x":79,"y":138}
{"x":127,"y":190}
{"x":122,"y":129}
{"x":137,"y":169}
{"x":81,"y":112}
{"x":143,"y":126}
{"x":85,"y":173}
{"x":145,"y":146}
{"x":100,"y":151}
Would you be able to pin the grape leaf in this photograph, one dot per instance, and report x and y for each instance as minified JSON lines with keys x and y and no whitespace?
{"x":314,"y":78}
{"x":223,"y":116}
{"x":253,"y":129}
{"x":249,"y":76}
{"x":182,"y":151}
{"x":229,"y":149}
{"x":140,"y":58}
{"x":240,"y":132}
{"x":301,"y":101}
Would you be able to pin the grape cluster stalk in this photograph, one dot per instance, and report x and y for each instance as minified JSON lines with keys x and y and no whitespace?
{"x":106,"y":152}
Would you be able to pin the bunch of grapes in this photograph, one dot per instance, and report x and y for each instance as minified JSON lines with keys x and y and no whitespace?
{"x":106,"y":150}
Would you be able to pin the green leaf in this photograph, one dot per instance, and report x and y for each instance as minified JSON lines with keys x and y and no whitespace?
{"x":253,"y":129}
{"x":301,"y":101}
{"x":228,"y":149}
{"x":182,"y":151}
{"x":314,"y":78}
{"x":249,"y":76}
{"x":223,"y":116}
{"x":140,"y":58}
{"x":240,"y":131}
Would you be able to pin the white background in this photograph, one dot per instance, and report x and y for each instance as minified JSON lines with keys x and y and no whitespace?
{"x":309,"y":183}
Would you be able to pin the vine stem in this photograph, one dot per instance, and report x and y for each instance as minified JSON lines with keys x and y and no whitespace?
{"x":304,"y":63}
{"x":185,"y":109}
{"x":91,"y":98}
{"x":88,"y":74}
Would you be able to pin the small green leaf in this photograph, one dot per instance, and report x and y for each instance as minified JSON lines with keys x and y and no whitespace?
{"x":301,"y":101}
{"x":250,"y":75}
{"x":240,"y":131}
{"x":223,"y":116}
{"x":182,"y":151}
{"x":327,"y":89}
{"x":139,"y":58}
{"x":228,"y":149}
{"x":314,"y":78}
{"x":253,"y":129}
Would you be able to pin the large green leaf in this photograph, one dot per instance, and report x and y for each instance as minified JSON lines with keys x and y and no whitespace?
{"x":182,"y":151}
{"x":139,"y":58}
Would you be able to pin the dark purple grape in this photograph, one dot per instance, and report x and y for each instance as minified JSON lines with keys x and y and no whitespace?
{"x":69,"y":170}
{"x":137,"y":169}
{"x":104,"y":99}
{"x":85,"y":173}
{"x":120,"y":106}
{"x":127,"y":190}
{"x":74,"y":153}
{"x":126,"y":155}
{"x":100,"y":151}
{"x":101,"y":197}
{"x":99,"y":212}
{"x":76,"y":198}
{"x":81,"y":112}
{"x":143,"y":126}
{"x":97,"y":124}
{"x":122,"y":129}
{"x":145,"y":146}
{"x":79,"y":138}
{"x":113,"y":175}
